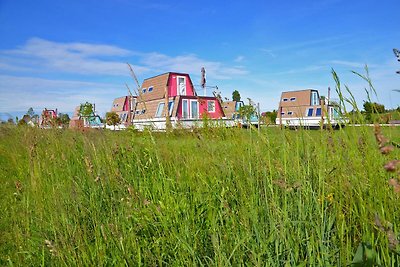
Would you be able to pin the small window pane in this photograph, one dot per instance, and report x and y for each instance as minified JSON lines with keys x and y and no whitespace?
{"x":310,"y":112}
{"x":318,"y":112}
{"x":160,"y":110}
{"x":211,"y":106}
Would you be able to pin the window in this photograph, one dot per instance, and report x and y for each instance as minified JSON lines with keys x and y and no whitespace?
{"x":123,"y":117}
{"x":144,"y":90}
{"x":285,"y":100}
{"x":143,"y":111}
{"x":160,"y":109}
{"x":137,"y":112}
{"x":181,"y":85}
{"x":310,"y":112}
{"x":292,"y":99}
{"x":150,"y":89}
{"x":318,"y":112}
{"x":194,"y":109}
{"x":314,"y":98}
{"x":170,"y":107}
{"x":290,"y":113}
{"x":211,"y":106}
{"x":282,"y":113}
{"x":185,"y":109}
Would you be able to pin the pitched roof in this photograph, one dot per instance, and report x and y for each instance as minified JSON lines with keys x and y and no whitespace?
{"x":229,"y":108}
{"x":158,"y":84}
{"x":118,"y":104}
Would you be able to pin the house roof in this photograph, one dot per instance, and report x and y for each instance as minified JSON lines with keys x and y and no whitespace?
{"x":229,"y":108}
{"x":118,"y":104}
{"x":158,"y":83}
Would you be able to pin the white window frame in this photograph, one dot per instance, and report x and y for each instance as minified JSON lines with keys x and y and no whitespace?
{"x":178,"y":91}
{"x":159,"y":113}
{"x":208,"y":106}
{"x":292,"y":99}
{"x":150,"y":87}
{"x":170,"y":106}
{"x":187,"y":106}
{"x":190,"y":109}
{"x":285,"y":100}
{"x":314,"y":98}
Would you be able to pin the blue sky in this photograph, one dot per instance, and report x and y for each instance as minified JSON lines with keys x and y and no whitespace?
{"x":58,"y":54}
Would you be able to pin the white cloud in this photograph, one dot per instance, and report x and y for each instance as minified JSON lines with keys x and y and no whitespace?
{"x":21,"y":67}
{"x":20,"y":93}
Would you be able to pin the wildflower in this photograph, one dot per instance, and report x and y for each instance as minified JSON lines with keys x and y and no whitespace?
{"x":386,"y":149}
{"x":391,"y":165}
{"x":387,"y":228}
{"x":396,"y":186}
{"x":51,"y":247}
{"x":329,"y":197}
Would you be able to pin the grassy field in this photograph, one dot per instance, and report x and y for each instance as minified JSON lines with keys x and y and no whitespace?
{"x":215,"y":197}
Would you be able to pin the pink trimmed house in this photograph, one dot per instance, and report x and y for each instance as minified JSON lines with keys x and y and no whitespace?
{"x":184,"y":106}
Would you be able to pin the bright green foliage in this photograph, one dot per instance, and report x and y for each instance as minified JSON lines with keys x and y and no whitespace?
{"x":215,"y":197}
{"x":86,"y":109}
{"x":112,"y":118}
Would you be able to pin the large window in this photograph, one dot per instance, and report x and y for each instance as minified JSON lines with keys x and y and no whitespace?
{"x":318,"y":112}
{"x":211,"y":106}
{"x":194,"y":109}
{"x":310,"y":112}
{"x":314,"y":98}
{"x":181,"y":85}
{"x":160,"y":109}
{"x":185,"y":109}
{"x":170,"y":107}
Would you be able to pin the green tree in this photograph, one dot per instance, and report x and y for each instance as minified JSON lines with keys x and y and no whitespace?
{"x":30,"y":112}
{"x":112,"y":118}
{"x":63,"y":119}
{"x":371,"y":108}
{"x":246,"y":111}
{"x":86,"y":110}
{"x":269,"y":117}
{"x":236,"y":95}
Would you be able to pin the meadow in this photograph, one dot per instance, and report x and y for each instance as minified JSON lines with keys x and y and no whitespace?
{"x":211,"y":197}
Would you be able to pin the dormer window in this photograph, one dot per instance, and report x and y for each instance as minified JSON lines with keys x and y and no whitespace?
{"x":181,"y":85}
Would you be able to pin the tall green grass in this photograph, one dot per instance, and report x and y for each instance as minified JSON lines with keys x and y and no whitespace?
{"x":212,"y":197}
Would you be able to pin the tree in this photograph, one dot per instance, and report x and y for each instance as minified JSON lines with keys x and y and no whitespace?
{"x":373,"y":107}
{"x":30,"y":112}
{"x":246,"y":111}
{"x":63,"y":119}
{"x":112,"y":118}
{"x":236,"y":95}
{"x":270,"y":116}
{"x":86,"y":110}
